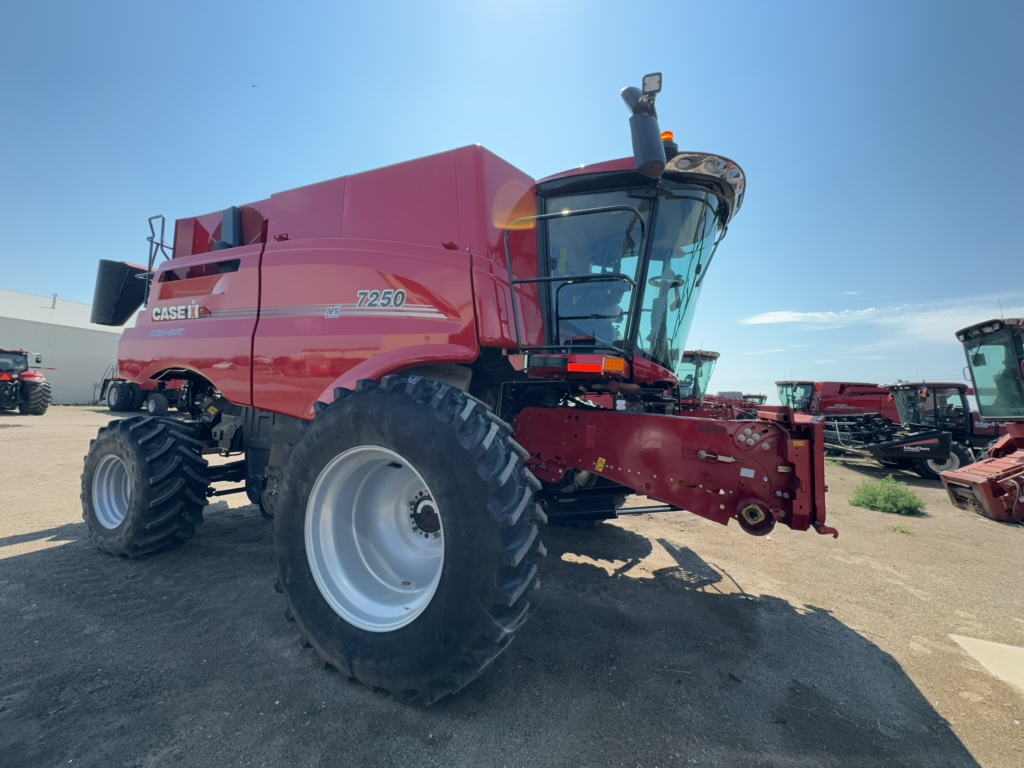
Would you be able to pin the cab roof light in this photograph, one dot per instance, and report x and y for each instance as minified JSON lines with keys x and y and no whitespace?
{"x":711,"y":165}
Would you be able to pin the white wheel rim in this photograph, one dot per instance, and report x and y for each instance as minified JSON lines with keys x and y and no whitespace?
{"x":112,"y":396}
{"x":151,"y":405}
{"x":953,"y":462}
{"x":374,"y":539}
{"x":111,"y":491}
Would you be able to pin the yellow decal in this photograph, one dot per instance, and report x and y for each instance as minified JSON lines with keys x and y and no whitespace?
{"x":799,"y":443}
{"x":600,"y":465}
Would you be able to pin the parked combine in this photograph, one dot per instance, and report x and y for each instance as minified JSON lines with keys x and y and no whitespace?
{"x":837,"y":398}
{"x":22,"y":387}
{"x":863,"y":420}
{"x":994,"y":486}
{"x":404,"y":364}
{"x":694,"y":371}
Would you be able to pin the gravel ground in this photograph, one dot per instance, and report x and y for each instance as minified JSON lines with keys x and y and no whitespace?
{"x":658,"y":640}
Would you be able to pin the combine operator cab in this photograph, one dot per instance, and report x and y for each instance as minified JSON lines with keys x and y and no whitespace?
{"x":694,"y":371}
{"x":626,"y":264}
{"x":939,"y":406}
{"x":994,"y":486}
{"x":945,"y":407}
{"x":798,"y":395}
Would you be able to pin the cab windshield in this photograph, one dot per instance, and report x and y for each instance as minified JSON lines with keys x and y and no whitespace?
{"x":937,"y":407}
{"x":13,"y":362}
{"x":796,"y":396}
{"x":641,"y":255}
{"x":694,"y":372}
{"x":995,"y":368}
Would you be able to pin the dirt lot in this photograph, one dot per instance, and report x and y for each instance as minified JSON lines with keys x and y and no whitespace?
{"x":657,"y":641}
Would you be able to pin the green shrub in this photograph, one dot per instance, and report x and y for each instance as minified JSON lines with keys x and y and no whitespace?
{"x":898,"y":529}
{"x":887,"y":495}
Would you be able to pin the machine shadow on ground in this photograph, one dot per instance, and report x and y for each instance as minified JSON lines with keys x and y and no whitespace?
{"x":186,"y":658}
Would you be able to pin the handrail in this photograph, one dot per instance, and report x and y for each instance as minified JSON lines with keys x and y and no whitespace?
{"x":156,"y":245}
{"x":513,"y":281}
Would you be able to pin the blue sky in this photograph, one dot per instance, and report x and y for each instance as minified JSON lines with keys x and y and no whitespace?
{"x":881,"y":142}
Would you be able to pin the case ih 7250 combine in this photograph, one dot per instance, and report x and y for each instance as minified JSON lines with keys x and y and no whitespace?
{"x":407,"y":362}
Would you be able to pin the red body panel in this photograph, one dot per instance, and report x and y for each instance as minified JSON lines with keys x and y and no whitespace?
{"x":433,"y":228}
{"x":981,"y":427}
{"x":839,"y":398}
{"x":303,"y":349}
{"x":32,"y":376}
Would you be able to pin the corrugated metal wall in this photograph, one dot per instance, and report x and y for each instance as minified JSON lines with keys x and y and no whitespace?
{"x":80,"y":356}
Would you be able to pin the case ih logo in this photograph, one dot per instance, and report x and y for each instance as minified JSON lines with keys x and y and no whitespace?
{"x":182,"y":312}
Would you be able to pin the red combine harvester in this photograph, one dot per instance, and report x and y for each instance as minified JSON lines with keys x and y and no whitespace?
{"x":407,"y":363}
{"x":20,"y":386}
{"x":837,"y":398}
{"x":994,"y":486}
{"x":694,"y":372}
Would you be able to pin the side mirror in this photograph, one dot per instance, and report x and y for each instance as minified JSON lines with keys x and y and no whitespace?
{"x":978,"y":360}
{"x":648,"y":148}
{"x":39,"y":359}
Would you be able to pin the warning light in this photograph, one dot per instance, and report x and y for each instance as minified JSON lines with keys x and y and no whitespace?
{"x":614,"y":365}
{"x":588,"y":364}
{"x":667,"y":136}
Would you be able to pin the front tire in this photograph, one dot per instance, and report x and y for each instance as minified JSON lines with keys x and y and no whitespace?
{"x":143,"y":486}
{"x":405,"y":533}
{"x":930,"y":469}
{"x":157,"y":404}
{"x":38,"y":397}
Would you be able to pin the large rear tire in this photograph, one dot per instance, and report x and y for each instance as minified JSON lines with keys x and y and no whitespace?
{"x":930,"y":469}
{"x":143,"y":486}
{"x":138,"y":397}
{"x":38,"y":397}
{"x":405,"y":533}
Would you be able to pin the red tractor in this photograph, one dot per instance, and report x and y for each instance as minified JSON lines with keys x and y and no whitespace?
{"x":994,"y":486}
{"x":20,"y":386}
{"x":407,"y":364}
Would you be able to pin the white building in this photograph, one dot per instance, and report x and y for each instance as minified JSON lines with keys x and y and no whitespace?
{"x":81,"y":353}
